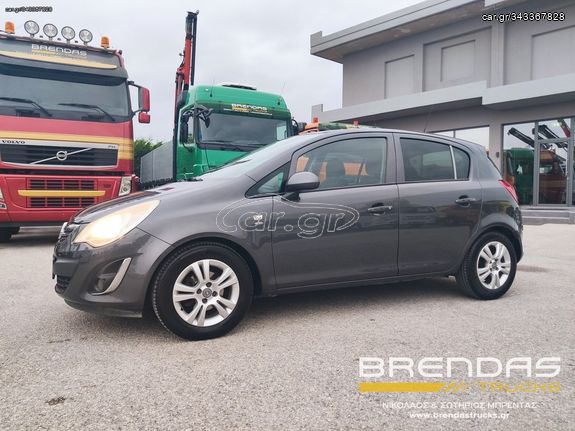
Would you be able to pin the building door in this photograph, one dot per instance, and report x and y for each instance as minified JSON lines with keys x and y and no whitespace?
{"x":554,"y":162}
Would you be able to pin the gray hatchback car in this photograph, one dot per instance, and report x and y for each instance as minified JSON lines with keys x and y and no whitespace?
{"x":331,"y":209}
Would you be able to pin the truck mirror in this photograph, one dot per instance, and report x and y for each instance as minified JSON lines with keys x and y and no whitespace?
{"x":143,"y":117}
{"x":144,"y":99}
{"x":184,"y":130}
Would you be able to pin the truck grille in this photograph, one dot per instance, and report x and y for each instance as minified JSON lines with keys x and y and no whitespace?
{"x":49,"y":155}
{"x":60,"y":202}
{"x":60,"y":184}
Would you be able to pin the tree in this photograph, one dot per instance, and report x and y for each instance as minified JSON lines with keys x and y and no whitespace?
{"x":142,"y":146}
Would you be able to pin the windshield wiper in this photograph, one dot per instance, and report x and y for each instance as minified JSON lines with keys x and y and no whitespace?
{"x":31,"y":102}
{"x":86,"y":106}
{"x":227,"y":144}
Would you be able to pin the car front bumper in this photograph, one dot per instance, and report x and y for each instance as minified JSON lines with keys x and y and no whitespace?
{"x":79,"y":268}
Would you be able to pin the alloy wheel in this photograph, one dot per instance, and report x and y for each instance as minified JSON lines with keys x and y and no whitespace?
{"x":493,"y":265}
{"x":206,"y":292}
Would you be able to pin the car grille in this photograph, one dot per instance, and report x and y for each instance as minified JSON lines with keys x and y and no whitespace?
{"x":60,"y":202}
{"x":48,"y":155}
{"x":62,"y":283}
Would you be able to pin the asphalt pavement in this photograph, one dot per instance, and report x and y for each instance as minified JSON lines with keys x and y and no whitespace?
{"x":292,"y":364}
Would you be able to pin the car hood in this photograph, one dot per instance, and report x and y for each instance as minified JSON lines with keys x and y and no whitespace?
{"x":178,"y":190}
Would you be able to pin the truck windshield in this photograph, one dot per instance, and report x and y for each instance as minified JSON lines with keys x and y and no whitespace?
{"x":255,"y":159}
{"x":102,"y":100}
{"x":241,"y":131}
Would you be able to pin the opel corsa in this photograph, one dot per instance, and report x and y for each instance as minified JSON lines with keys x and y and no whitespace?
{"x":331,"y":209}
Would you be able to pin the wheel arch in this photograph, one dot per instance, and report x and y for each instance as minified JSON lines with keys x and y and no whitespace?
{"x":197,"y":240}
{"x":501,"y":228}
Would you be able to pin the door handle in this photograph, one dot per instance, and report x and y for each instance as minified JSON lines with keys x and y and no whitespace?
{"x":379,"y":209}
{"x":464,"y":200}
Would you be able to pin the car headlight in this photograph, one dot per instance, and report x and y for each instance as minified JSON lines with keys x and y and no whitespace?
{"x":125,"y":186}
{"x":114,"y":226}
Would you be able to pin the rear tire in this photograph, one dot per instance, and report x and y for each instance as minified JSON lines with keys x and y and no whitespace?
{"x":489,"y":267}
{"x":202,"y":291}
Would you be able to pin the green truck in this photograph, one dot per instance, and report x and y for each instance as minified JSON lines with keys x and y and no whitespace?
{"x":213,"y":124}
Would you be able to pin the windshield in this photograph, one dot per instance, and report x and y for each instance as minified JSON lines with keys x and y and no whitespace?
{"x":250,"y":161}
{"x":242,"y":130}
{"x":101,"y":100}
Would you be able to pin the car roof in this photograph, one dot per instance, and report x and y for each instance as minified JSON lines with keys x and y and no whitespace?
{"x":366,"y":130}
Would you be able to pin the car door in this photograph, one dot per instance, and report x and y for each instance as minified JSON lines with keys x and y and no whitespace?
{"x":346,"y":229}
{"x":439,"y":203}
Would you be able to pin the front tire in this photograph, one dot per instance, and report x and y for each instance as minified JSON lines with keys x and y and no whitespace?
{"x":202,"y":291}
{"x":489,"y":267}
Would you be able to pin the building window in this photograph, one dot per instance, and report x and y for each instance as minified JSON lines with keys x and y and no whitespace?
{"x":477,"y":135}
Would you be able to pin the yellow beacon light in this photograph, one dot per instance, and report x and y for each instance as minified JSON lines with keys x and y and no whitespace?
{"x":105,"y":42}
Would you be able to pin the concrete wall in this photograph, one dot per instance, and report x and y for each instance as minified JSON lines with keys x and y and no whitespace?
{"x":467,"y":51}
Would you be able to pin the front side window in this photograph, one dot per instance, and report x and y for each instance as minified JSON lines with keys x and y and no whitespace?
{"x":348,"y":163}
{"x":271,"y":183}
{"x":426,"y":160}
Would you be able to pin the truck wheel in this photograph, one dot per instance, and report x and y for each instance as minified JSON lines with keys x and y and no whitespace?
{"x":202,"y":291}
{"x":489,"y":267}
{"x":5,"y":234}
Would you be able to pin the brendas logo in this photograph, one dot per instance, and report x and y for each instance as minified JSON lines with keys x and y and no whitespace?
{"x":439,"y":367}
{"x":49,"y":49}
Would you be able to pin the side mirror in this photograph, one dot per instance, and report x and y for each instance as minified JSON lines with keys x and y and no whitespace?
{"x":302,"y":181}
{"x":143,"y":117}
{"x":144,"y":99}
{"x":184,"y":127}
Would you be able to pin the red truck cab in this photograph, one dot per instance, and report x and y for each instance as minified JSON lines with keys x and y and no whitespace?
{"x":66,"y":135}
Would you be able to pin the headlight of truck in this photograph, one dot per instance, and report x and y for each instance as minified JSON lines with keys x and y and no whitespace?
{"x":114,"y":226}
{"x":125,"y":186}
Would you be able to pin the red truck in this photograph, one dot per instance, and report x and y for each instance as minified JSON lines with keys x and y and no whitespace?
{"x":66,"y":136}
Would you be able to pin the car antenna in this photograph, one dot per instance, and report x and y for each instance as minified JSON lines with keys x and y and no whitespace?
{"x":282,"y":92}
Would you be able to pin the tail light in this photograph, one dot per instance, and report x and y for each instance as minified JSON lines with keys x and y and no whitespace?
{"x":510,"y":189}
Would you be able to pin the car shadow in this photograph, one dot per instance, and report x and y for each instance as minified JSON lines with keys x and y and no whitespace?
{"x":32,"y":236}
{"x":384,"y":294}
{"x":266,"y":311}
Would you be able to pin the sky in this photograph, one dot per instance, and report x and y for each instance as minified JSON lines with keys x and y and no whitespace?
{"x":258,"y":42}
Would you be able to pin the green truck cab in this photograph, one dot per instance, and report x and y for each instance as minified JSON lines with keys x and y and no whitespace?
{"x":221,"y":123}
{"x":213,"y":124}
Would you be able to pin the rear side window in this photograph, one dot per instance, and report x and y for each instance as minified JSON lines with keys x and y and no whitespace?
{"x":426,"y":160}
{"x":461,"y":163}
{"x":489,"y":170}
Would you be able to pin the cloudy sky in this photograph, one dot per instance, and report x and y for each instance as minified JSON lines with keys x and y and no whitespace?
{"x":260,"y":42}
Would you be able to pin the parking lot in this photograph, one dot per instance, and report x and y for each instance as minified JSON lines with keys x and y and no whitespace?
{"x":292,"y":363}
